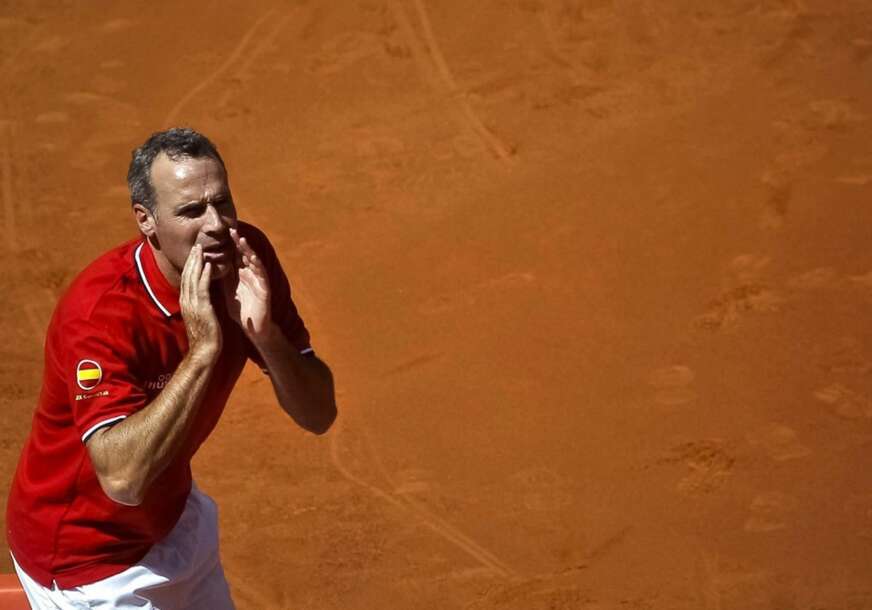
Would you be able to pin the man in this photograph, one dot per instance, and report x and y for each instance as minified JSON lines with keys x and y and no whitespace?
{"x":140,"y":357}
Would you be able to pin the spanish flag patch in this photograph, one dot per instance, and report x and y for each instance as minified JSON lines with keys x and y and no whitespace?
{"x":88,"y":374}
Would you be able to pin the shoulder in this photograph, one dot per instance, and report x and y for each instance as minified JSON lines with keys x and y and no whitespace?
{"x":103,"y":290}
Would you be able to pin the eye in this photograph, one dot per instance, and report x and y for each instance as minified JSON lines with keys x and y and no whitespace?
{"x":193,"y":211}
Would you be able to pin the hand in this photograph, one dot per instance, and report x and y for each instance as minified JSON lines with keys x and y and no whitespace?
{"x":246,"y":290}
{"x":201,"y":324}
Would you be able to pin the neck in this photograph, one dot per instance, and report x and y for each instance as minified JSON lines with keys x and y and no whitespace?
{"x":171,"y":274}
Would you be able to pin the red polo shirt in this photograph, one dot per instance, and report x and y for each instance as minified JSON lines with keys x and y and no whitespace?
{"x":113,"y":343}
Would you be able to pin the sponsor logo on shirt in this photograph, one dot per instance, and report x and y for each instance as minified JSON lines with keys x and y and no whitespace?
{"x":88,"y":374}
{"x":92,"y":395}
{"x":159,"y":383}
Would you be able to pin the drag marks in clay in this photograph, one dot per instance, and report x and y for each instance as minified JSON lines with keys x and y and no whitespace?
{"x":344,"y":51}
{"x":243,"y":73}
{"x":746,"y":293}
{"x":7,"y":195}
{"x":535,"y":595}
{"x":546,"y":594}
{"x":116,"y":26}
{"x":342,"y":453}
{"x":814,"y":279}
{"x":833,"y":114}
{"x":859,"y":172}
{"x":235,"y":54}
{"x":845,"y":402}
{"x":844,"y":355}
{"x":770,"y":511}
{"x":748,"y":290}
{"x":428,"y":55}
{"x":709,"y":465}
{"x":726,"y":311}
{"x":725,"y":584}
{"x":541,"y":489}
{"x":804,"y":134}
{"x":471,"y":296}
{"x":672,"y":385}
{"x":411,"y":364}
{"x":780,"y":442}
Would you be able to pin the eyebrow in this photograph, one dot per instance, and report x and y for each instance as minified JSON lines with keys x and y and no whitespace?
{"x":189,"y":205}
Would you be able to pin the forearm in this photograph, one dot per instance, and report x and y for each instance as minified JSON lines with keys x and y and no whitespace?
{"x":130,"y":455}
{"x":303,"y":385}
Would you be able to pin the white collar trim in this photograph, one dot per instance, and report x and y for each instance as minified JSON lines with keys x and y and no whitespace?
{"x":137,"y":255}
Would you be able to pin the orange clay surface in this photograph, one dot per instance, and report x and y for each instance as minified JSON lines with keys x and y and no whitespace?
{"x":594,"y":279}
{"x":12,"y":596}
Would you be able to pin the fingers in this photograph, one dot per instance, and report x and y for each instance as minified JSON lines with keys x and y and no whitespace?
{"x":247,"y":253}
{"x":195,"y":302}
{"x":191,"y":273}
{"x":241,"y":244}
{"x":192,"y":259}
{"x":205,"y":279}
{"x":234,"y":235}
{"x":196,"y":277}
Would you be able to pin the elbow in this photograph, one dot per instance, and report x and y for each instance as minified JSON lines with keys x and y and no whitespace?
{"x":122,"y":490}
{"x":321,"y":421}
{"x":119,"y":481}
{"x":324,"y":422}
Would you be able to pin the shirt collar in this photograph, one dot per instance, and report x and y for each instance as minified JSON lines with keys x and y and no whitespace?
{"x":162,"y":294}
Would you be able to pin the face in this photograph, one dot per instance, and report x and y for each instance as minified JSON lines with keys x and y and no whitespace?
{"x":193,"y":206}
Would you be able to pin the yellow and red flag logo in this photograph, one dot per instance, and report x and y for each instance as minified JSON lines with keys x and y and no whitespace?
{"x":88,"y":374}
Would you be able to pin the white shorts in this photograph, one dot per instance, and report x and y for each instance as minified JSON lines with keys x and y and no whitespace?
{"x":181,"y":572}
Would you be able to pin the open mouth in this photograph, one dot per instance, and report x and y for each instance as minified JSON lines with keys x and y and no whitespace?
{"x":218,"y":253}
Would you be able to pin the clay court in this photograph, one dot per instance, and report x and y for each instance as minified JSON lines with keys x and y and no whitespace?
{"x":593,"y":277}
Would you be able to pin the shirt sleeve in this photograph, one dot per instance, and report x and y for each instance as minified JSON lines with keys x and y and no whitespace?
{"x":98,"y":364}
{"x":284,"y":312}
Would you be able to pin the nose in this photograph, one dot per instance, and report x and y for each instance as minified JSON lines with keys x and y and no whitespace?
{"x":214,"y":222}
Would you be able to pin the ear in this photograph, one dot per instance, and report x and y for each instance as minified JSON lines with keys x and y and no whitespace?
{"x":144,"y":219}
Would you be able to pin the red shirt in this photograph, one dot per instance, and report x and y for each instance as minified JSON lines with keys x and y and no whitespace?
{"x":113,"y":343}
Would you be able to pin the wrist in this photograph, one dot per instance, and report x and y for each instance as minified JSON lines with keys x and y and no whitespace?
{"x":205,"y":352}
{"x":269,"y":339}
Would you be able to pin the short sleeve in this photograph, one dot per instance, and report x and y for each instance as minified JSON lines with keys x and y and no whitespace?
{"x":284,"y":312}
{"x":98,"y":364}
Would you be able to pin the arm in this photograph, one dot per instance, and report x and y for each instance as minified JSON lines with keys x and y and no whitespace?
{"x":129,"y":455}
{"x":303,"y":384}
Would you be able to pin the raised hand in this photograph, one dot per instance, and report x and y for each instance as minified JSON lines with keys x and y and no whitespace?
{"x":247,"y":291}
{"x":201,"y":324}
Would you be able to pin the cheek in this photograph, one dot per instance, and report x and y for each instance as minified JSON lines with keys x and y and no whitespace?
{"x":177,"y":239}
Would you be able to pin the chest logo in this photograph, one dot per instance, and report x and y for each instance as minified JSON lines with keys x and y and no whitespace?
{"x":159,"y":383}
{"x":88,"y":374}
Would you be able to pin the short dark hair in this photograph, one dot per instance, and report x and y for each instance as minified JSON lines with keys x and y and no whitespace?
{"x":175,"y":143}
